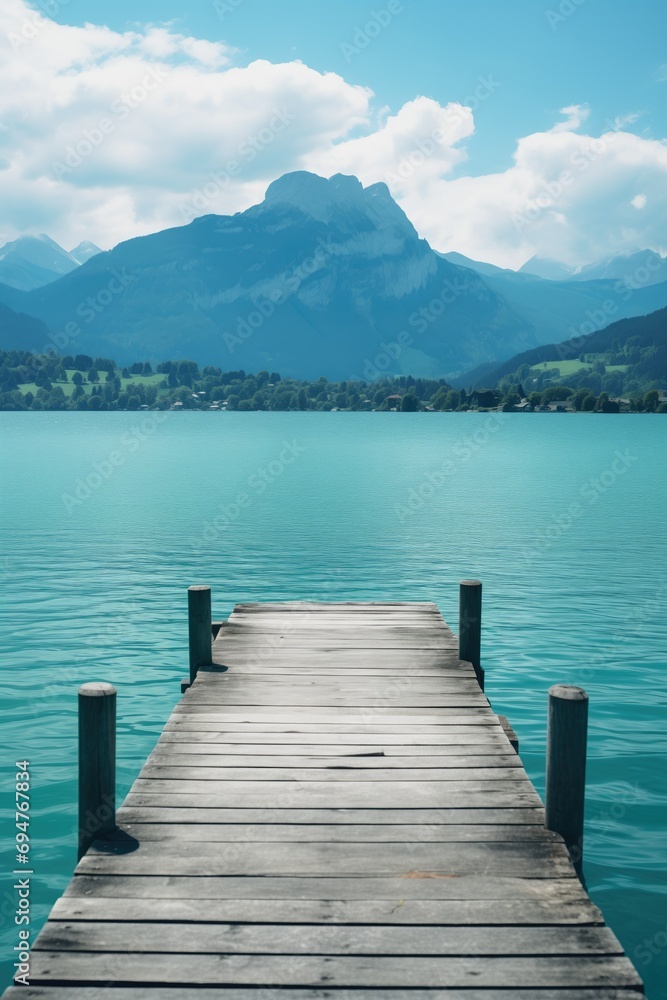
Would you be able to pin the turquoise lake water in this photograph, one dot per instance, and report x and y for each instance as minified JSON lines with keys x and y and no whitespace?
{"x":107,"y":518}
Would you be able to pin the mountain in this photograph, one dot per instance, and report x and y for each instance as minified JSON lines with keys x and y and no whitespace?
{"x":33,"y":261}
{"x":647,"y":264}
{"x":622,"y":266}
{"x":476,"y":265}
{"x":637,"y":344}
{"x":545,"y":267}
{"x":558,"y":308}
{"x":324,"y":277}
{"x":84,"y":251}
{"x":20,"y":332}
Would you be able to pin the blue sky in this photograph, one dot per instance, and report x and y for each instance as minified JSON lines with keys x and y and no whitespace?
{"x":606,"y":53}
{"x":605,"y":61}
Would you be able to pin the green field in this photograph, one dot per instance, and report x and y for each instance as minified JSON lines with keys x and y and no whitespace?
{"x":570,"y":367}
{"x":565,"y":367}
{"x":68,"y":387}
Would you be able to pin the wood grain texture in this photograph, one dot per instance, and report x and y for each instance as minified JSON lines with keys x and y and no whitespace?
{"x":323,"y":993}
{"x":340,"y":971}
{"x":412,"y":885}
{"x":333,"y":811}
{"x":420,"y":912}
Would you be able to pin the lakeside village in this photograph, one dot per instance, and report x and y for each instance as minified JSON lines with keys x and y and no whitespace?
{"x":51,"y":382}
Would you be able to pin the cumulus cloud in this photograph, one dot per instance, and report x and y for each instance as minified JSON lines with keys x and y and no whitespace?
{"x":106,"y":135}
{"x":422,"y":137}
{"x":567,"y":196}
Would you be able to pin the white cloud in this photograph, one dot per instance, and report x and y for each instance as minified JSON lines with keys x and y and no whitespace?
{"x":566,"y":196}
{"x":421,"y":138}
{"x":575,"y":116}
{"x":662,"y":73}
{"x":639,"y":201}
{"x":107,"y":135}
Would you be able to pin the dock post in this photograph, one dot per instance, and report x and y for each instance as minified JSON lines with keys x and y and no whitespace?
{"x":470,"y":625}
{"x":567,"y":728}
{"x":97,"y":763}
{"x":199,"y":628}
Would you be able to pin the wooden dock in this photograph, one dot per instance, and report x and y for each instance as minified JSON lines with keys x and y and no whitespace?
{"x":332,"y":811}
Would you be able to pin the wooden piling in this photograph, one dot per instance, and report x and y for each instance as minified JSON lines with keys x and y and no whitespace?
{"x":470,"y":625}
{"x":97,"y":763}
{"x":200,"y":629}
{"x":566,"y":766}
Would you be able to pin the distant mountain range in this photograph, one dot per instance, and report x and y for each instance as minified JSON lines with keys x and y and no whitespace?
{"x":324,"y":277}
{"x":641,"y":267}
{"x":621,"y":266}
{"x":33,"y":261}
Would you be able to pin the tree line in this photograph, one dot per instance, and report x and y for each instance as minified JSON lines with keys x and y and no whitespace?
{"x":80,"y":382}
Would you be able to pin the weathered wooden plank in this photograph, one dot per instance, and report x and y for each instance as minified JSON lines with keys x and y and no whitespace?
{"x":413,"y":885}
{"x":353,"y":687}
{"x":388,"y":619}
{"x":144,"y":812}
{"x":323,"y":939}
{"x":300,"y":833}
{"x":331,"y":795}
{"x":359,"y":971}
{"x":532,"y":860}
{"x":377,"y":673}
{"x":442,"y":913}
{"x":336,"y":607}
{"x":314,"y":715}
{"x":286,"y":993}
{"x":350,"y":624}
{"x":414,"y":764}
{"x":296,"y":698}
{"x":333,"y":773}
{"x":407,"y":640}
{"x":440,"y":740}
{"x":343,"y":636}
{"x":328,"y":607}
{"x":229,"y":683}
{"x":356,"y":732}
{"x":192,"y":744}
{"x":366,"y":659}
